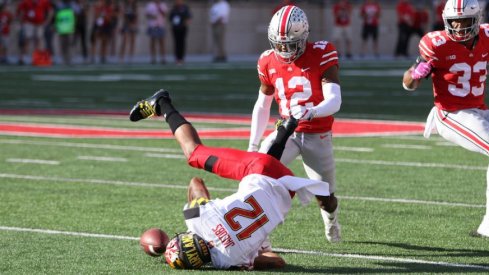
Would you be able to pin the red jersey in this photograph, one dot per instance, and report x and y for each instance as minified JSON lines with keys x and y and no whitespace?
{"x":300,"y":81}
{"x":370,"y":13}
{"x":342,"y":14}
{"x":5,"y":20}
{"x":34,"y":11}
{"x":405,"y":13}
{"x":459,"y":74}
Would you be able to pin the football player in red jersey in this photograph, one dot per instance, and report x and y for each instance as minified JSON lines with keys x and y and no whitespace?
{"x":456,"y":59}
{"x":303,"y":78}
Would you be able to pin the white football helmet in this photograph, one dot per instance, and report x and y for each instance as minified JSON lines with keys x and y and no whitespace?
{"x":461,"y":9}
{"x":288,"y":32}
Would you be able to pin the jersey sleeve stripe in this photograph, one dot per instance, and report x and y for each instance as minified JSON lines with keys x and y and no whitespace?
{"x":330,"y":53}
{"x":329,"y":60}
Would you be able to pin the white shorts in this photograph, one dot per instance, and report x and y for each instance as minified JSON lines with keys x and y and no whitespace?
{"x":468,"y":128}
{"x":340,"y":32}
{"x":316,"y":151}
{"x":32,"y":31}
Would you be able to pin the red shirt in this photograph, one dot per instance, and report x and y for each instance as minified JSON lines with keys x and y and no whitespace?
{"x":103,"y":14}
{"x":5,"y":20}
{"x":342,"y":13}
{"x":459,"y":74}
{"x":33,"y":11}
{"x":405,"y":13}
{"x":421,"y":19}
{"x":439,"y":12}
{"x":300,"y":81}
{"x":370,"y":13}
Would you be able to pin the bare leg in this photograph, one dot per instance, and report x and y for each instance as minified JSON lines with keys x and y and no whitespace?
{"x":187,"y":137}
{"x":197,"y":189}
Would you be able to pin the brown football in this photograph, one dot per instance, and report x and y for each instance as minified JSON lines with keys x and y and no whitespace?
{"x":153,"y":241}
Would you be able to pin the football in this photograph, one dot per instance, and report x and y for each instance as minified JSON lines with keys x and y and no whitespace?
{"x":153,"y":241}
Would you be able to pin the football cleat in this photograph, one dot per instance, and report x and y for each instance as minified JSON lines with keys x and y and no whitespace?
{"x":332,"y":226}
{"x":289,"y":124}
{"x":148,"y":107}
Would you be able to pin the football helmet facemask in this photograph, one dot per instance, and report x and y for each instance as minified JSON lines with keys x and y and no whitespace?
{"x":187,"y":251}
{"x":288,"y":32}
{"x":462,"y":9}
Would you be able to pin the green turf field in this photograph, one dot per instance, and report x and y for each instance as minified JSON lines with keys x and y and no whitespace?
{"x":77,"y":205}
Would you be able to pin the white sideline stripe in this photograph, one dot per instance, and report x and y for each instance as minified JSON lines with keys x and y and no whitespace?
{"x":353,"y":149}
{"x":34,"y":161}
{"x":407,"y":146}
{"x":283,"y":250}
{"x":381,"y":258}
{"x":109,"y":182}
{"x":102,"y":158}
{"x":142,"y":184}
{"x":412,"y":164}
{"x":92,"y":145}
{"x":57,"y":232}
{"x":164,"y":156}
{"x":441,"y":203}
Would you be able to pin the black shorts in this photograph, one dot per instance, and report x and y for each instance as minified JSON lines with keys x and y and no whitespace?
{"x":370,"y":31}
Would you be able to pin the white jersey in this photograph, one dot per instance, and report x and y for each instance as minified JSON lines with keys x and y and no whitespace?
{"x":240,"y":223}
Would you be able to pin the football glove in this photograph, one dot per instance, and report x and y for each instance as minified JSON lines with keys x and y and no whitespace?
{"x":422,"y":70}
{"x":301,"y":112}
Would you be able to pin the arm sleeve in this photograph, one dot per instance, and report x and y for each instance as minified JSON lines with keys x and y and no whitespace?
{"x":331,"y":103}
{"x":259,"y":119}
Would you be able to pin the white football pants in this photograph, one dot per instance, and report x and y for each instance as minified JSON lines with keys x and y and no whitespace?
{"x":468,"y":128}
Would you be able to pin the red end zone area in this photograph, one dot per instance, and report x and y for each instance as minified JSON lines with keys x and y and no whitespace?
{"x":341,"y":128}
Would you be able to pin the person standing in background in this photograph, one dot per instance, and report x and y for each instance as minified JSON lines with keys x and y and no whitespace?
{"x":34,"y":15}
{"x":342,"y":25}
{"x":102,"y":28}
{"x":370,"y":12}
{"x":438,"y":23}
{"x":421,"y":20}
{"x":156,"y":12}
{"x":64,"y":22}
{"x":6,"y":18}
{"x":405,"y":16}
{"x":129,"y":29}
{"x":180,"y":18}
{"x":80,"y":7}
{"x":219,"y":17}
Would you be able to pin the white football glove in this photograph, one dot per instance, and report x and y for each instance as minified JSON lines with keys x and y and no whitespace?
{"x":301,"y":112}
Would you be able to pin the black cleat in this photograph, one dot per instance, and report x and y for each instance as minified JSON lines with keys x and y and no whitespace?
{"x":149,"y":107}
{"x":288,"y":124}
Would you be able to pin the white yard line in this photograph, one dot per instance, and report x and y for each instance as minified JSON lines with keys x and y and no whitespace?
{"x":154,"y":185}
{"x":412,"y":164}
{"x":407,"y":146}
{"x":96,"y":158}
{"x":353,"y":149}
{"x":283,"y":250}
{"x":33,"y":161}
{"x":164,"y":156}
{"x":92,"y":145}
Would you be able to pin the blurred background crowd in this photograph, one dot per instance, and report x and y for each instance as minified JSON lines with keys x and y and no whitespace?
{"x":47,"y":32}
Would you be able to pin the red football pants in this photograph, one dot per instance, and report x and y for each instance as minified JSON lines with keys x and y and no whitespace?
{"x":236,"y":164}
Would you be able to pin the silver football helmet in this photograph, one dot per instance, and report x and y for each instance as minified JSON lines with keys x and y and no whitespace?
{"x":462,"y":9}
{"x":288,"y":32}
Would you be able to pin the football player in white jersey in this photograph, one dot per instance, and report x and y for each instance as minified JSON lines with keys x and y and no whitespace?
{"x":303,"y":79}
{"x":229,"y":232}
{"x":456,"y":59}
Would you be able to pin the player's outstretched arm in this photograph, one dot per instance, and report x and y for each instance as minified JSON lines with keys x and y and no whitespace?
{"x":260,"y":116}
{"x":268,"y":260}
